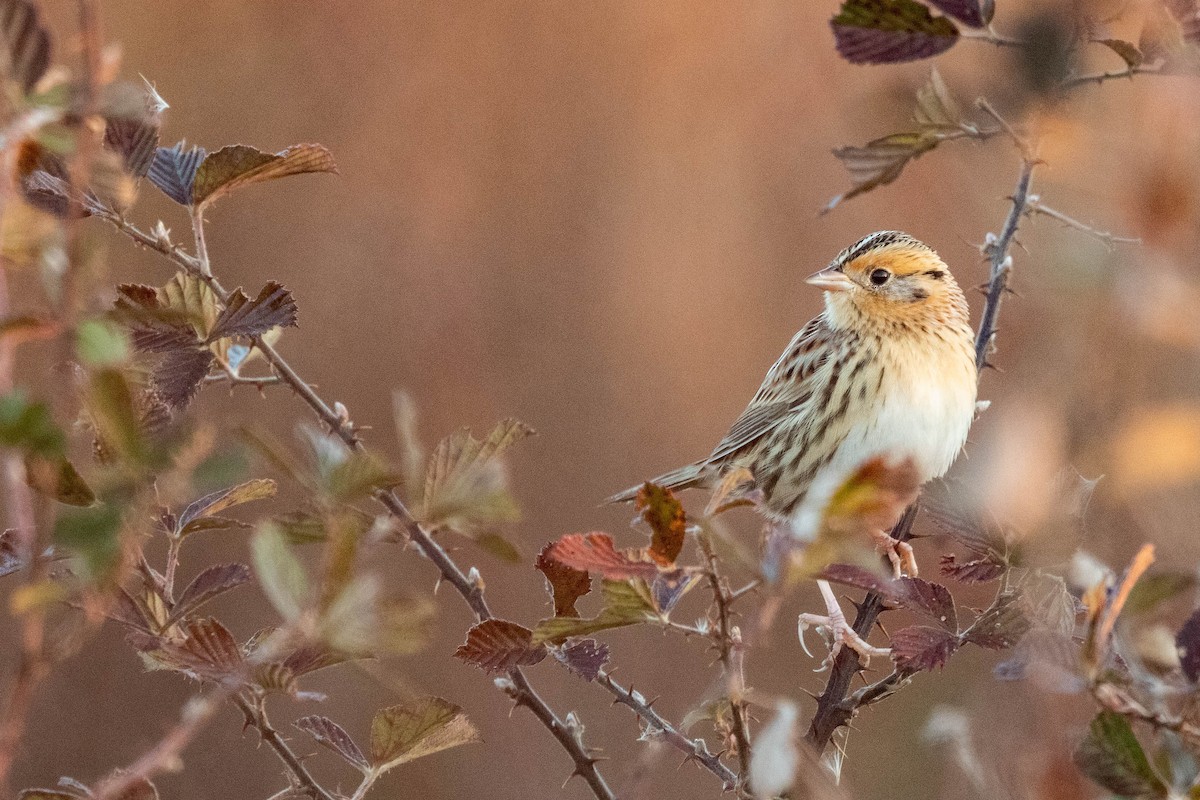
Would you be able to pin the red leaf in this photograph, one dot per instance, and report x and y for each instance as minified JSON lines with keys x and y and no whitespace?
{"x":594,"y":552}
{"x":566,"y":583}
{"x":497,"y":645}
{"x":663,"y":512}
{"x":923,"y":648}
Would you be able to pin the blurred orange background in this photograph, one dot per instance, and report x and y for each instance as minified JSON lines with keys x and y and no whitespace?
{"x":597,"y":218}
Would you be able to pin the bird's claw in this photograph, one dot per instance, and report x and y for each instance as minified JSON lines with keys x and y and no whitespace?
{"x":904,"y":561}
{"x":837,"y":631}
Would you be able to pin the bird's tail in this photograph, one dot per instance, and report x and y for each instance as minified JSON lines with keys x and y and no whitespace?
{"x":682,"y":478}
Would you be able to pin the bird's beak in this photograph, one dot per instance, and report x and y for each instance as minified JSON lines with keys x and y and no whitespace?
{"x":831,"y":280}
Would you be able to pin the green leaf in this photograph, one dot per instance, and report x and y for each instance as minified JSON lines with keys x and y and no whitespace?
{"x":93,"y":534}
{"x":100,"y":343}
{"x":890,"y":31}
{"x":282,"y":576}
{"x":466,"y":489}
{"x":416,"y":729}
{"x":1153,"y":590}
{"x":1111,"y":756}
{"x":625,"y":603}
{"x":110,"y":405}
{"x":29,"y":426}
{"x":57,"y":478}
{"x":240,"y":165}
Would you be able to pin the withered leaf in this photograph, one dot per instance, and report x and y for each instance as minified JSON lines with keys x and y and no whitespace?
{"x":1111,"y":756}
{"x":890,"y":32}
{"x":57,"y":477}
{"x":276,"y":677}
{"x":1002,"y":625}
{"x":880,"y":161}
{"x":936,"y":108}
{"x":584,"y":657}
{"x":979,"y":570}
{"x":210,"y":583}
{"x":594,"y":552}
{"x":178,"y":374}
{"x":329,"y":734}
{"x":240,"y":165}
{"x":625,"y":603}
{"x":1188,"y":643}
{"x":1126,"y":50}
{"x":273,"y":308}
{"x":975,"y":13}
{"x":668,"y":587}
{"x":922,"y":648}
{"x":663,"y":512}
{"x":497,"y":645}
{"x":135,"y":140}
{"x":566,"y":584}
{"x":416,"y":729}
{"x":215,"y":503}
{"x":209,"y":651}
{"x":26,"y":43}
{"x":173,"y":170}
{"x":465,"y":486}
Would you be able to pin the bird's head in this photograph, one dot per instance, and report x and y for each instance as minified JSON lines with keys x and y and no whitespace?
{"x":890,"y":278}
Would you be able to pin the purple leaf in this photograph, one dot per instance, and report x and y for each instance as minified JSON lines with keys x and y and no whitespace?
{"x":210,"y":583}
{"x":273,"y":308}
{"x":174,"y":171}
{"x":976,"y":13}
{"x":584,"y":657}
{"x":1188,"y":642}
{"x":333,"y":736}
{"x":922,"y":648}
{"x":890,"y":32}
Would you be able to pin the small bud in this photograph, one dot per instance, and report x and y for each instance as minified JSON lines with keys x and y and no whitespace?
{"x":475,"y":578}
{"x":162,"y":234}
{"x":506,"y":685}
{"x":343,"y":414}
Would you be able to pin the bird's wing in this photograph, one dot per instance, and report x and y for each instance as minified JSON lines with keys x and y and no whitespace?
{"x":786,"y":388}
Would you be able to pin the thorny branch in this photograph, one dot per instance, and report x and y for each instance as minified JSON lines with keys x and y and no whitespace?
{"x":1035,"y":206}
{"x":256,"y":715}
{"x":470,"y":587}
{"x":1101,"y":77}
{"x":834,"y":707}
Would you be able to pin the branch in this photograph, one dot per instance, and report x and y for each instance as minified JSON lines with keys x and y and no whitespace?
{"x":834,"y":708}
{"x":469,"y":588}
{"x":1101,"y":77}
{"x":256,"y":715}
{"x":695,"y":749}
{"x":1034,"y":206}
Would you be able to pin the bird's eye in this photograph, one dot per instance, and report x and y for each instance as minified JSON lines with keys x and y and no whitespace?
{"x":880,"y":276}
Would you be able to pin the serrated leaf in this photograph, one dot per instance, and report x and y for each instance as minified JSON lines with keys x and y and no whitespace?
{"x":466,"y":489}
{"x":240,"y":165}
{"x":1126,"y":50}
{"x":1111,"y":756}
{"x":931,"y":599}
{"x":979,"y":570}
{"x":26,"y":50}
{"x":880,"y":161}
{"x":210,"y":583}
{"x":1187,"y":641}
{"x":416,"y":729}
{"x":975,"y":13}
{"x":208,"y":652}
{"x":58,"y":478}
{"x":663,"y":512}
{"x":173,"y":170}
{"x":890,"y":32}
{"x":936,"y":107}
{"x":584,"y":657}
{"x":497,"y":645}
{"x":595,"y":552}
{"x":273,"y":308}
{"x":328,"y":733}
{"x":922,"y":648}
{"x":566,"y":584}
{"x":625,"y":603}
{"x":135,"y":140}
{"x":178,"y":374}
{"x":213,"y":504}
{"x":279,"y":572}
{"x":1000,"y":626}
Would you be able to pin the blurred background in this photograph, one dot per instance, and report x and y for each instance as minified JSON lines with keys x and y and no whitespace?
{"x":597,"y":218}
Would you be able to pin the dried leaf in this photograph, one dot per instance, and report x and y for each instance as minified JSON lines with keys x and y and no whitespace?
{"x":936,"y":108}
{"x":329,"y":734}
{"x":1001,"y":626}
{"x":210,"y":505}
{"x":174,"y":171}
{"x":497,"y":645}
{"x":178,"y":374}
{"x":57,"y":478}
{"x":625,"y":603}
{"x":975,"y":13}
{"x":241,"y":165}
{"x":282,"y":577}
{"x":880,"y":161}
{"x":594,"y":552}
{"x":26,"y":52}
{"x":980,"y":570}
{"x":1126,"y":50}
{"x":663,"y":512}
{"x":1187,"y":641}
{"x":208,"y":652}
{"x":890,"y":32}
{"x":566,"y":584}
{"x":922,"y":648}
{"x":1111,"y":756}
{"x":424,"y":726}
{"x":465,"y":487}
{"x":210,"y":583}
{"x":584,"y":657}
{"x":273,"y":308}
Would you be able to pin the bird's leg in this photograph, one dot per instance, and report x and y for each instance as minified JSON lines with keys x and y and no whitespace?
{"x":904,"y":561}
{"x":837,"y":631}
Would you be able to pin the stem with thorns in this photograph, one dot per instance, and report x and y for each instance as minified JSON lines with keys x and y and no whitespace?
{"x":256,"y":715}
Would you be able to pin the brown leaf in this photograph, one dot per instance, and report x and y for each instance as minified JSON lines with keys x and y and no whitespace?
{"x":663,"y":512}
{"x":625,"y":603}
{"x":58,"y":478}
{"x":930,"y":599}
{"x":273,"y":308}
{"x":209,"y":651}
{"x":9,"y":560}
{"x":416,"y":729}
{"x":329,"y":734}
{"x":1126,"y":50}
{"x":239,"y":165}
{"x":136,"y":140}
{"x":880,"y":161}
{"x":922,"y":648}
{"x":566,"y":584}
{"x":584,"y":657}
{"x":26,"y":42}
{"x":210,"y":583}
{"x":215,"y":503}
{"x":594,"y":552}
{"x":497,"y":645}
{"x":890,"y":31}
{"x":980,"y":570}
{"x":1000,"y":626}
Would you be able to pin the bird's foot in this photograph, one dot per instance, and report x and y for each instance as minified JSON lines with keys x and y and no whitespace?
{"x":837,"y":631}
{"x":904,"y":561}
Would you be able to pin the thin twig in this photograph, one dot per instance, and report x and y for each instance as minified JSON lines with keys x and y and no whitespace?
{"x":1034,"y":205}
{"x":256,"y":715}
{"x":469,"y":587}
{"x":1101,"y":77}
{"x":834,"y":709}
{"x":695,"y":749}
